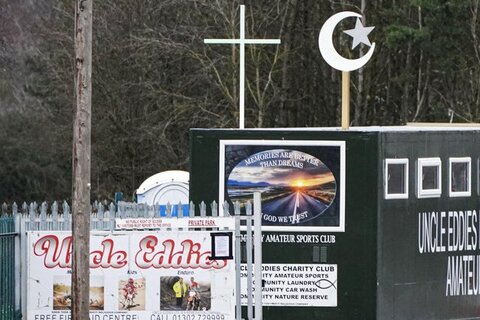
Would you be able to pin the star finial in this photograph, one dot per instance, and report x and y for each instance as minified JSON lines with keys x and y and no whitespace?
{"x":359,"y":34}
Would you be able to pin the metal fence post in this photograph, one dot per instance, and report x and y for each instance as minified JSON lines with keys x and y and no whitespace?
{"x":238,"y":261}
{"x":17,"y":261}
{"x":23,"y":265}
{"x":257,"y":222}
{"x":249,"y":261}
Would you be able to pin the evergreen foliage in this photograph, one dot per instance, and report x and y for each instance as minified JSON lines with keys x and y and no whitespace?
{"x":154,"y":78}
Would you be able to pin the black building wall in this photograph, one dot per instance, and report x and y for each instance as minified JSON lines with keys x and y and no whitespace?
{"x":354,"y":251}
{"x":412,"y":285}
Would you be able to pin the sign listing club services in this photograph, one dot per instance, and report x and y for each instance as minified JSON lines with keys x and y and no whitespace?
{"x":133,"y":276}
{"x":296,"y":285}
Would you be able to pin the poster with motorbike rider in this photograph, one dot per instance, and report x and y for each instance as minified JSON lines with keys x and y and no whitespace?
{"x":154,"y":275}
{"x":191,"y":292}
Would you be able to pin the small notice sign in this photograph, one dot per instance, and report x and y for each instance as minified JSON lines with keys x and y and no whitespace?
{"x":142,"y":223}
{"x":179,"y":223}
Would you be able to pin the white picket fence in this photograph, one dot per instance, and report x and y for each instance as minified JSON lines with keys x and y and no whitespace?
{"x":58,"y":216}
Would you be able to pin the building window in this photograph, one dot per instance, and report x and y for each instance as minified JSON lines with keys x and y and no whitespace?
{"x":460,"y":181}
{"x":396,"y":179}
{"x":429,"y":178}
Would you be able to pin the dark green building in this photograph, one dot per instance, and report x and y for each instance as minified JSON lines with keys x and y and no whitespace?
{"x":387,"y":217}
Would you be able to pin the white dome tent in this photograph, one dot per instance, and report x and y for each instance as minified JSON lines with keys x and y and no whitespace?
{"x":163,"y":188}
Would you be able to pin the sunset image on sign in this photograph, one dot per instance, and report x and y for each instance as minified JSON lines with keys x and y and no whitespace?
{"x":295,"y":186}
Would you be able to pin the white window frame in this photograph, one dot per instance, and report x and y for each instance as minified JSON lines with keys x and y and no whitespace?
{"x":478,"y":176}
{"x":388,"y":162}
{"x":468,"y":161}
{"x":428,"y":162}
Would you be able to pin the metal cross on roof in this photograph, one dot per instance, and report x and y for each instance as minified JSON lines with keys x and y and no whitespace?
{"x":242,"y":42}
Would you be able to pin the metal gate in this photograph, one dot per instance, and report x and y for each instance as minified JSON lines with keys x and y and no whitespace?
{"x":8,"y":234}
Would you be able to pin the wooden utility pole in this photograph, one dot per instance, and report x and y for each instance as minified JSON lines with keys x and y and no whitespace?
{"x":81,"y":160}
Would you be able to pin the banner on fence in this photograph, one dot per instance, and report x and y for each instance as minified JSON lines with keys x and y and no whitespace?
{"x":163,"y":275}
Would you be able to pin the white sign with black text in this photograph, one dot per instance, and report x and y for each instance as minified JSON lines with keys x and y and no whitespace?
{"x":295,"y":285}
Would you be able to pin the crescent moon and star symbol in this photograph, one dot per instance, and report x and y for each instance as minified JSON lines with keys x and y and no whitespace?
{"x":359,"y":35}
